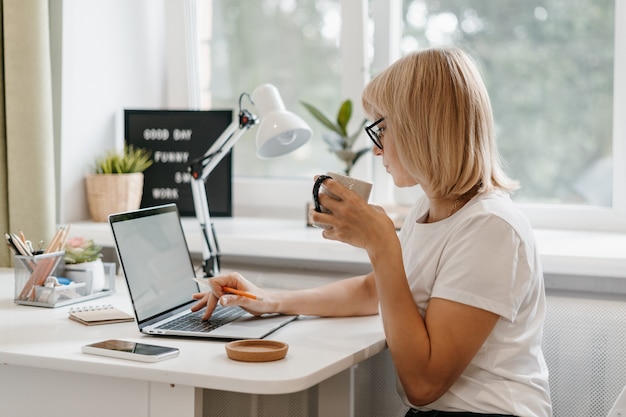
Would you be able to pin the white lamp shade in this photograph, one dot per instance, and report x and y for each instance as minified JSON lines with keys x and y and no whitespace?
{"x":279,"y":131}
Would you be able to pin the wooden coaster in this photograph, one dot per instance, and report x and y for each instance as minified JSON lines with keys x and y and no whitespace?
{"x":256,"y":350}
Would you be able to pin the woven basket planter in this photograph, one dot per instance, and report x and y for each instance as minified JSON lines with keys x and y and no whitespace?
{"x":113,"y":193}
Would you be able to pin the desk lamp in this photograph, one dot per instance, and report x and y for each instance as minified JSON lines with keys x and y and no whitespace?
{"x":279,"y":133}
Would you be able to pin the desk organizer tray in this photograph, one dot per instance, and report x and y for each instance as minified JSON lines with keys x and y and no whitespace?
{"x":31,"y":273}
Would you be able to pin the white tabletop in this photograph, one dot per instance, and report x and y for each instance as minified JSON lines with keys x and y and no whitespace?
{"x":318,"y":348}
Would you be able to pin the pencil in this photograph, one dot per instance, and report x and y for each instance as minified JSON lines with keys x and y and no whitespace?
{"x":58,"y":241}
{"x":241,"y":293}
{"x":53,"y":245}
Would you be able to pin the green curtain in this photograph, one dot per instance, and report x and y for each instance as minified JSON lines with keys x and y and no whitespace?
{"x":27,"y":187}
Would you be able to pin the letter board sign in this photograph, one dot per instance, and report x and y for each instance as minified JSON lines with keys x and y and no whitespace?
{"x":175,"y":138}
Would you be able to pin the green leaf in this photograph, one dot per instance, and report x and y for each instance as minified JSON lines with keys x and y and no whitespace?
{"x":343,"y":116}
{"x":129,"y":161}
{"x":321,"y":117}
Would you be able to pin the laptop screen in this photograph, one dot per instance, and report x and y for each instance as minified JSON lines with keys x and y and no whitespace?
{"x":152,"y":249}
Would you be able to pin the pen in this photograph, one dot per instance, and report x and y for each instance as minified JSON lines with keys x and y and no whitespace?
{"x":21,"y":246}
{"x":241,"y":293}
{"x":230,"y":290}
{"x":11,"y":244}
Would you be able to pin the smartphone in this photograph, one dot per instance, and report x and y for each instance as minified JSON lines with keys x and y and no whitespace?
{"x":131,"y":350}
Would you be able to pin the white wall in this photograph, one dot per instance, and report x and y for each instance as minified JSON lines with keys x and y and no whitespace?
{"x":108,"y":55}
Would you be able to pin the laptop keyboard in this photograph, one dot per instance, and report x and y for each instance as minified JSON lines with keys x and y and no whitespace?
{"x":193,"y":322}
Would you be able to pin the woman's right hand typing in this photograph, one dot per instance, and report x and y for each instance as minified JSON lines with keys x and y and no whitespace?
{"x":264,"y":303}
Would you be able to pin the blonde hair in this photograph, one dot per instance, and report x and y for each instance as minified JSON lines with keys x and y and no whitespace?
{"x":438,"y":113}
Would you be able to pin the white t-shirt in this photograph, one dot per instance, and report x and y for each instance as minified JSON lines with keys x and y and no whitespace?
{"x":484,"y":256}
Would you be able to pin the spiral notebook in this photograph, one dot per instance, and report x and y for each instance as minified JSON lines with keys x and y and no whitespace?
{"x":95,"y":315}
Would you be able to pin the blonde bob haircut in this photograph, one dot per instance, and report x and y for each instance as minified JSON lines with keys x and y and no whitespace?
{"x":438,"y":113}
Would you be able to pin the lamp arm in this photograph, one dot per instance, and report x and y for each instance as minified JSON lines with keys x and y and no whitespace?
{"x":210,"y":250}
{"x":200,"y":168}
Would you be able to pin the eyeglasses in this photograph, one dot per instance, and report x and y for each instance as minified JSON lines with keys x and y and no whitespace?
{"x":375,"y":134}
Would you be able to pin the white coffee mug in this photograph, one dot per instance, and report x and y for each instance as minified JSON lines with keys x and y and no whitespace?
{"x":362,"y":188}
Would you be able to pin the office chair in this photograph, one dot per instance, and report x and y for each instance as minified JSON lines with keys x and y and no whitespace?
{"x":619,"y":407}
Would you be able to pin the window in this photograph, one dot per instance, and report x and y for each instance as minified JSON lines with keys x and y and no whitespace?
{"x":552,"y":68}
{"x":293,"y":45}
{"x":549,"y":67}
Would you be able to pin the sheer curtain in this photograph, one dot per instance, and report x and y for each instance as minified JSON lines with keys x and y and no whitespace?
{"x":27,"y":193}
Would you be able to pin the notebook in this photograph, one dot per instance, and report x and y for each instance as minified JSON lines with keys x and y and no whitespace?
{"x":159,"y":273}
{"x":96,"y":315}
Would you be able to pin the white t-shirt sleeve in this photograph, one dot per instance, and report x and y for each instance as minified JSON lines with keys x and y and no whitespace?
{"x":493,"y":275}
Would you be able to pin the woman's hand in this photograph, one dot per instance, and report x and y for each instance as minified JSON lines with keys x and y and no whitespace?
{"x":351,"y":219}
{"x":263,"y":304}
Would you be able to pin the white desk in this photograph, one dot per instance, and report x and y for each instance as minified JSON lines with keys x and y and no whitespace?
{"x":43,"y":372}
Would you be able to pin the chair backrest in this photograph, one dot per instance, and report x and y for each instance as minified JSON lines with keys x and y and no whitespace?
{"x":584,"y":339}
{"x":619,"y":408}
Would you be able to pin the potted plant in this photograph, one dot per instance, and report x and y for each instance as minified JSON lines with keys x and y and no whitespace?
{"x":337,"y":138}
{"x":116,"y":185}
{"x":83,"y":255}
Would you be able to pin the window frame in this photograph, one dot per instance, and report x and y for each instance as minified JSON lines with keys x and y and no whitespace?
{"x":385,"y":15}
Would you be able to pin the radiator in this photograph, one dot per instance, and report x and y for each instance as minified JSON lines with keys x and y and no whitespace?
{"x":585,"y":348}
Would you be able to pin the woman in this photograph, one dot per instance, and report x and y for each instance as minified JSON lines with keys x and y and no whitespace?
{"x":463,"y":270}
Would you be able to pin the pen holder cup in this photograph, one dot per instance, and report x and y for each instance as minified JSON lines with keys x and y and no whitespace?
{"x":32,"y":272}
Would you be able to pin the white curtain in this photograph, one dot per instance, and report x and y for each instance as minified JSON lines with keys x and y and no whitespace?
{"x":27,"y":187}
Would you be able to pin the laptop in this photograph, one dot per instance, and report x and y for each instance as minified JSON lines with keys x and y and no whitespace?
{"x":158,"y":270}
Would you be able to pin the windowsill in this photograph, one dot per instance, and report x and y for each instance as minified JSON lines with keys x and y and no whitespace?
{"x":579,"y":253}
{"x":279,"y":241}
